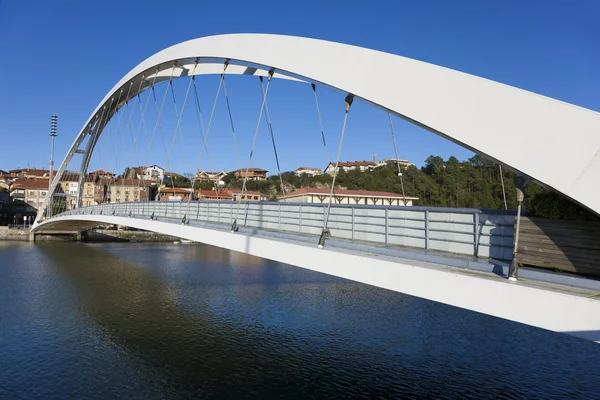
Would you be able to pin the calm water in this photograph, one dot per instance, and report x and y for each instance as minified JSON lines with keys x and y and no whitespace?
{"x":150,"y":321}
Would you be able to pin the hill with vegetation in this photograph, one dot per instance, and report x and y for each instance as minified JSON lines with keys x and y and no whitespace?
{"x":473,"y":183}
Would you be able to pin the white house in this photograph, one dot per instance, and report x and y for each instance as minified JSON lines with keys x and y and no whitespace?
{"x":308,"y":171}
{"x":153,"y":173}
{"x":344,"y":196}
{"x":394,"y":161}
{"x":211,"y":176}
{"x":350,"y":165}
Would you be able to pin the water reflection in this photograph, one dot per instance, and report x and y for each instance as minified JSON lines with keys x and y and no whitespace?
{"x":199,"y":321}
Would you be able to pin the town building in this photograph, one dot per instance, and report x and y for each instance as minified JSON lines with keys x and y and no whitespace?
{"x":349,"y":166}
{"x":169,"y":175}
{"x":204,"y":176}
{"x":29,"y":173}
{"x":213,"y":195}
{"x":122,"y":190}
{"x":394,"y":162}
{"x":308,"y":171}
{"x":248,"y":195}
{"x":69,"y":185}
{"x":257,"y":174}
{"x":101,"y":174}
{"x":344,"y":196}
{"x":91,"y":189}
{"x":29,"y":190}
{"x":153,"y":173}
{"x":174,"y":194}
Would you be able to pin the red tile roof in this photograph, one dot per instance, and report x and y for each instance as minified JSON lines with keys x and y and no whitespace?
{"x":176,"y":190}
{"x":236,"y":191}
{"x":222,"y":194}
{"x":31,"y":183}
{"x":346,"y":192}
{"x":127,"y":182}
{"x":30,"y":171}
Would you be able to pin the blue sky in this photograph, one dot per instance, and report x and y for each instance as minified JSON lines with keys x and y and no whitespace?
{"x":63,"y":56}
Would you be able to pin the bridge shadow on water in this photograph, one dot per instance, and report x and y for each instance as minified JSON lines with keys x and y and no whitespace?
{"x":199,"y":352}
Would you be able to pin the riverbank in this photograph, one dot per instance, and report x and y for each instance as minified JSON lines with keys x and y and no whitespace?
{"x":91,"y":236}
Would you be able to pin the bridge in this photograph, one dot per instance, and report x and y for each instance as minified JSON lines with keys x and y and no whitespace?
{"x":456,"y":257}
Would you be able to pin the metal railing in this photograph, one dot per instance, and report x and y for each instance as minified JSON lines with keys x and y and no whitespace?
{"x":483,"y":233}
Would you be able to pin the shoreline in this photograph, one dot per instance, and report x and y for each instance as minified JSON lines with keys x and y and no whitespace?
{"x":89,"y":236}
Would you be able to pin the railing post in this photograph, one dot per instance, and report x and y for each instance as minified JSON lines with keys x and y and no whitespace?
{"x":386,"y":226}
{"x":426,"y":229}
{"x":300,"y":222}
{"x":476,"y":228}
{"x":219,"y":212}
{"x":353,"y":223}
{"x":279,"y":219}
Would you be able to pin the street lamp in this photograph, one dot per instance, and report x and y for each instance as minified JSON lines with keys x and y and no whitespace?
{"x":53,"y":133}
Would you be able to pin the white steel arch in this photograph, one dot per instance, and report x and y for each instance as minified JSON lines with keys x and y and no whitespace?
{"x":556,"y":143}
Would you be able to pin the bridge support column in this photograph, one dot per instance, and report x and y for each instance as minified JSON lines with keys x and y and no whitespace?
{"x":78,"y":236}
{"x":31,"y":236}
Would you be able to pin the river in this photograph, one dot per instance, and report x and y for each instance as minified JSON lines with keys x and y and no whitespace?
{"x":168,"y":321}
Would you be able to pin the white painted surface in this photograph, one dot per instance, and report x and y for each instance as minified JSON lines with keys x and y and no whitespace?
{"x":523,"y":130}
{"x":516,"y":301}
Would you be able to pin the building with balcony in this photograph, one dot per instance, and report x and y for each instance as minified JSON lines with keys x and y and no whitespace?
{"x":29,"y":173}
{"x":258,"y":174}
{"x":394,"y":162}
{"x":32,"y":191}
{"x":123,"y":190}
{"x":344,"y":196}
{"x":152,"y":173}
{"x":248,"y":195}
{"x":213,"y":195}
{"x":208,"y":176}
{"x":349,"y":166}
{"x":308,"y":171}
{"x":166,"y":193}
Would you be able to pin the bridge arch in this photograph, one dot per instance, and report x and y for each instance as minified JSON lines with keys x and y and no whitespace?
{"x":555,"y":143}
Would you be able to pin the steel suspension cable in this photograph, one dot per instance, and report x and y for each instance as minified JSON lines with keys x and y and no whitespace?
{"x":397,"y":159}
{"x":121,"y":112}
{"x":503,"y":191}
{"x":325,"y":232}
{"x":150,"y":95}
{"x":112,"y":132}
{"x":203,"y":132}
{"x":142,"y":123}
{"x":235,"y":143}
{"x":270,"y":126}
{"x":159,"y":110}
{"x":178,"y":127}
{"x":124,"y":134}
{"x":314,"y":88}
{"x":234,"y":227}
{"x":212,"y":113}
{"x":102,"y":150}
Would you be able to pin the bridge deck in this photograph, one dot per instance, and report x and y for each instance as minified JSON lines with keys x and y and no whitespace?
{"x":560,"y":303}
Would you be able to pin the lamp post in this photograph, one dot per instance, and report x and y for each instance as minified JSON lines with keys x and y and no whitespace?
{"x":521,"y":182}
{"x":53,"y":133}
